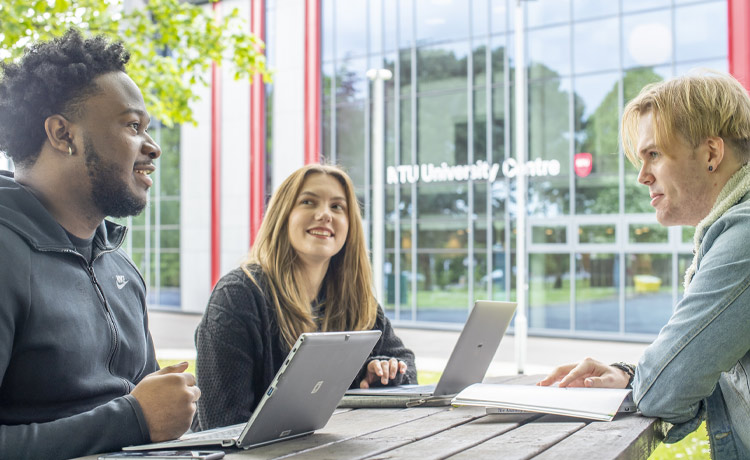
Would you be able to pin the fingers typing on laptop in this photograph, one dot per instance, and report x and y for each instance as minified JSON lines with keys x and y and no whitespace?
{"x":383,"y":371}
{"x":307,"y":271}
{"x":168,"y":400}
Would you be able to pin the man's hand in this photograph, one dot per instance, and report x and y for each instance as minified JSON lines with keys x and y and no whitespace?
{"x":588,"y":373}
{"x":167,"y":398}
{"x":384,"y":370}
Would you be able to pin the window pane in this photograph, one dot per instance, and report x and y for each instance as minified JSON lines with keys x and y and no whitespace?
{"x":549,"y":135}
{"x":351,"y":80}
{"x":596,"y":234}
{"x":442,"y":67}
{"x":635,"y":5}
{"x":645,"y":233}
{"x":597,"y":126}
{"x":498,"y":124}
{"x":328,"y":12}
{"x":687,"y":234}
{"x":552,"y":234}
{"x":701,"y":31}
{"x":647,"y":39}
{"x":597,"y":293}
{"x":351,"y":22}
{"x":443,"y":235}
{"x":350,"y":140}
{"x":500,"y":15}
{"x":595,"y":44}
{"x":442,"y":294}
{"x":442,"y":200}
{"x":439,"y":20}
{"x":406,"y":281}
{"x":549,"y":291}
{"x":481,"y":18}
{"x":593,"y":8}
{"x":648,"y":292}
{"x":541,"y":12}
{"x":442,"y":129}
{"x":549,"y":52}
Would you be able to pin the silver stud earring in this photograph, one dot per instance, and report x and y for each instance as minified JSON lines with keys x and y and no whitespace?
{"x":70,"y":151}
{"x":710,"y":168}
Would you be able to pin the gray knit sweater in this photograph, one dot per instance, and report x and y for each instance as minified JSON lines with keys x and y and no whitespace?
{"x":240,"y":350}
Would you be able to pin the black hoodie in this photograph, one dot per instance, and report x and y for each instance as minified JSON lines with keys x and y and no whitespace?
{"x":74,"y":337}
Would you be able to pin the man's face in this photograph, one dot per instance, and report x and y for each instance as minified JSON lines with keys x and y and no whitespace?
{"x":676,"y":178}
{"x":118,"y":152}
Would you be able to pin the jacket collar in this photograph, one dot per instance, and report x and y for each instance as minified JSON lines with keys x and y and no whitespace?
{"x":23,"y":213}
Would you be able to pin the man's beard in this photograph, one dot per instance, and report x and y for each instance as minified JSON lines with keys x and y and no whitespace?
{"x":109,"y":193}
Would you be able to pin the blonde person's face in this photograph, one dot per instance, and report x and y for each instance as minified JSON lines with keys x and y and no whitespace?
{"x":675,"y":177}
{"x":319,"y":221}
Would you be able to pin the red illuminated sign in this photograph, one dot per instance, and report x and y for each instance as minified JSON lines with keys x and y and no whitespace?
{"x":582,"y":163}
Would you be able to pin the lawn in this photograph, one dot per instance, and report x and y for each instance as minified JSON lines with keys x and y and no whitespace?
{"x":693,"y":447}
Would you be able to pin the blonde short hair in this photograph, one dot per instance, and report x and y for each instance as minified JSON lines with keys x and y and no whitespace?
{"x":701,"y":104}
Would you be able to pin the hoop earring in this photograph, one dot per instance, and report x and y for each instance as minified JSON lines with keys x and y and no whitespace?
{"x":710,"y":168}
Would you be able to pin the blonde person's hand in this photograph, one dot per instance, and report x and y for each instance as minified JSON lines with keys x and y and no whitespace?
{"x":383,"y":370}
{"x":589,"y":373}
{"x":167,"y":398}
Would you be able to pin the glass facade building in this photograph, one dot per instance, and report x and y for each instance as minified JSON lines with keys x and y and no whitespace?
{"x":599,"y":265}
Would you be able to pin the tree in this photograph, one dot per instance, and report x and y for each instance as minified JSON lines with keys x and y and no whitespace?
{"x":172,"y":43}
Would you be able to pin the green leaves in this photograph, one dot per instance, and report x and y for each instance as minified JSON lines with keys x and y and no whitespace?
{"x":172,"y":43}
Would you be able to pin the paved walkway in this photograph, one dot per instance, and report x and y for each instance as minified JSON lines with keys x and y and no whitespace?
{"x":173,"y":338}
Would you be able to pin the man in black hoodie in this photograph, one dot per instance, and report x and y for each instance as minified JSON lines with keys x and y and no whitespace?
{"x":78,"y":373}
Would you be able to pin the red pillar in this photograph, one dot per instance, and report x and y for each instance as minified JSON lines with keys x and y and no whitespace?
{"x":739,"y":40}
{"x":215,"y":166}
{"x":257,"y":127}
{"x":312,"y":81}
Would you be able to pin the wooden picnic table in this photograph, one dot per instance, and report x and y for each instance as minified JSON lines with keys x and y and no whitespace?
{"x":466,"y":433}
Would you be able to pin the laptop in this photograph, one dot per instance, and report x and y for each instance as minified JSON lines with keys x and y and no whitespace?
{"x":468,"y":363}
{"x":300,"y":399}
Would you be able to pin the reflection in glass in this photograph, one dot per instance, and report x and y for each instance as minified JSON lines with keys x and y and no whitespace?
{"x":350,"y":139}
{"x":542,"y":13}
{"x":442,"y":127}
{"x":442,"y":287}
{"x":451,"y":234}
{"x":351,"y":80}
{"x":701,"y":31}
{"x":636,"y":5}
{"x":647,"y":39}
{"x":498,"y":124}
{"x":687,"y":234}
{"x":442,"y":67}
{"x":551,"y":234}
{"x":549,"y":291}
{"x":597,"y":293}
{"x":500,"y":15}
{"x":549,"y":51}
{"x":597,"y":126}
{"x":596,"y":234}
{"x":549,"y":135}
{"x":481,"y":18}
{"x":595,"y":45}
{"x":647,"y":233}
{"x":351,"y":21}
{"x":445,"y":199}
{"x":403,"y":282}
{"x":439,"y":20}
{"x":401,"y":209}
{"x":648,"y":292}
{"x":583,"y":9}
{"x":498,"y":58}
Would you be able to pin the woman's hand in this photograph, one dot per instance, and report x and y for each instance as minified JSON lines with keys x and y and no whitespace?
{"x":588,"y":373}
{"x":385,"y":370}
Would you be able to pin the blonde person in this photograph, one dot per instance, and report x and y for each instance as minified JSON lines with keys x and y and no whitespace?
{"x":307,"y":271}
{"x":690,"y":137}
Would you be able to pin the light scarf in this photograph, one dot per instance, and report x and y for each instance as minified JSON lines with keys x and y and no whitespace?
{"x":735,"y":188}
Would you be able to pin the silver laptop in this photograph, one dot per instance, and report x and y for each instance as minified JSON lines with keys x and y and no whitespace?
{"x":470,"y":359}
{"x":300,"y":399}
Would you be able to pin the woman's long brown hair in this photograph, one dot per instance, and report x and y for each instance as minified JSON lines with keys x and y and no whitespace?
{"x":349,"y":303}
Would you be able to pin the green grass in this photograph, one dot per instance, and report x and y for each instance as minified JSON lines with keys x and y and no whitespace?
{"x":693,"y":447}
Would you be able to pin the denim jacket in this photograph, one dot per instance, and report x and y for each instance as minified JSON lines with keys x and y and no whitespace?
{"x":697,"y":368}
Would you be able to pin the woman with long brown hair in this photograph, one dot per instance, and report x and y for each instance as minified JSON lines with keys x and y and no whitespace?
{"x":308,"y":270}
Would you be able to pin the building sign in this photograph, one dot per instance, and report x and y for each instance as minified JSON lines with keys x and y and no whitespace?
{"x":582,"y":163}
{"x":481,"y":170}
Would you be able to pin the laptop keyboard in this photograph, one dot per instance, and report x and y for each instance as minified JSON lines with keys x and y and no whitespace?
{"x":226,"y":433}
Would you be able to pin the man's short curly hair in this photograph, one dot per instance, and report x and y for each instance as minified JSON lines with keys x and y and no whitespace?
{"x":52,"y":77}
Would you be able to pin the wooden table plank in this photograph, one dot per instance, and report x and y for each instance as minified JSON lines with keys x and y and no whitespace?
{"x":458,"y":439}
{"x":391,"y":438}
{"x":631,"y":437}
{"x":526,"y":441}
{"x":342,"y":426}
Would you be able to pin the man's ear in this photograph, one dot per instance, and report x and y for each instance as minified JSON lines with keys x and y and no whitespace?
{"x":715,"y":152}
{"x":59,"y":134}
